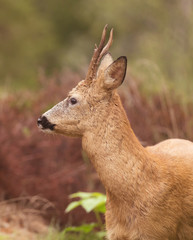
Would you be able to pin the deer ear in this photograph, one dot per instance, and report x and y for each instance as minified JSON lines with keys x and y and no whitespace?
{"x":105,"y":62}
{"x":115,"y":73}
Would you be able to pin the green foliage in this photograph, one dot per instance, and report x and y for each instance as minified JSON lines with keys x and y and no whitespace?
{"x":25,"y":42}
{"x":89,"y":202}
{"x":55,"y":34}
{"x":85,"y":228}
{"x":56,"y":235}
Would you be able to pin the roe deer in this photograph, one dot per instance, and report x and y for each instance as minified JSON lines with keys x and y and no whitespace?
{"x":149,"y":190}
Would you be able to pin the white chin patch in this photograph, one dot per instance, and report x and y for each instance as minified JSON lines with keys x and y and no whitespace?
{"x":46,"y":130}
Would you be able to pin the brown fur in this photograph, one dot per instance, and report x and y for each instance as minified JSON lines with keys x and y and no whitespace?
{"x":149,"y":190}
{"x":149,"y":196}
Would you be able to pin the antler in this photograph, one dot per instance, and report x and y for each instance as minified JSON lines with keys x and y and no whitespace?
{"x":99,"y":52}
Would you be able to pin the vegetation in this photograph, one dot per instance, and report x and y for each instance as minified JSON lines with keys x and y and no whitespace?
{"x":43,"y":45}
{"x":47,"y":35}
{"x":57,"y":235}
{"x":54,"y":164}
{"x":89,"y":202}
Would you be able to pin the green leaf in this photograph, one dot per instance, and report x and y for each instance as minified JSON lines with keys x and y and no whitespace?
{"x":97,"y":194}
{"x":91,"y":204}
{"x":73,"y":205}
{"x":84,"y":195}
{"x":86,"y":228}
{"x":89,"y":201}
{"x":81,"y":195}
{"x":101,"y":208}
{"x":101,"y":234}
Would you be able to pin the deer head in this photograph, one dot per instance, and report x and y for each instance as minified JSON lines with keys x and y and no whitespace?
{"x":91,"y":98}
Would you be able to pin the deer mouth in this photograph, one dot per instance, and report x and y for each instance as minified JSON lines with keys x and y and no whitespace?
{"x":43,"y":123}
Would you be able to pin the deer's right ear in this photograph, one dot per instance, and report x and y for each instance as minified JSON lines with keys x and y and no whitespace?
{"x":115,"y":73}
{"x":106,"y":61}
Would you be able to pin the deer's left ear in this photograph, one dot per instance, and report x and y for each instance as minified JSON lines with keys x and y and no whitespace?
{"x":115,"y":73}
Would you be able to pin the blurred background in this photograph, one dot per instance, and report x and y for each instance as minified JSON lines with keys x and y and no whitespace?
{"x":45,"y":49}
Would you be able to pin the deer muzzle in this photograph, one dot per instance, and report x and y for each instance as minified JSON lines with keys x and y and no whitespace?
{"x":44,"y":124}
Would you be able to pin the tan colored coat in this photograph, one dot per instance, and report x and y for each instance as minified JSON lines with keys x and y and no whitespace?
{"x":149,"y":190}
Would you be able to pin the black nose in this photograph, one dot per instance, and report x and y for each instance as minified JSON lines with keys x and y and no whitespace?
{"x":43,"y":121}
{"x":39,"y":121}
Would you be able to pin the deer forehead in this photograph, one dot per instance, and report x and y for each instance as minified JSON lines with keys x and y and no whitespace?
{"x":80,"y":89}
{"x":85,"y":90}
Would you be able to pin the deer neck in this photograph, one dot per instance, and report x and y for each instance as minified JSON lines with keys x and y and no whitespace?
{"x":123,"y":165}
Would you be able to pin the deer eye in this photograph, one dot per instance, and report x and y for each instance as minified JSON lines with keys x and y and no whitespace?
{"x":73,"y":101}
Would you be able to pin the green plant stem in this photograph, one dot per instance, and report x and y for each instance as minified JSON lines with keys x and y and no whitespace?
{"x":99,"y":220}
